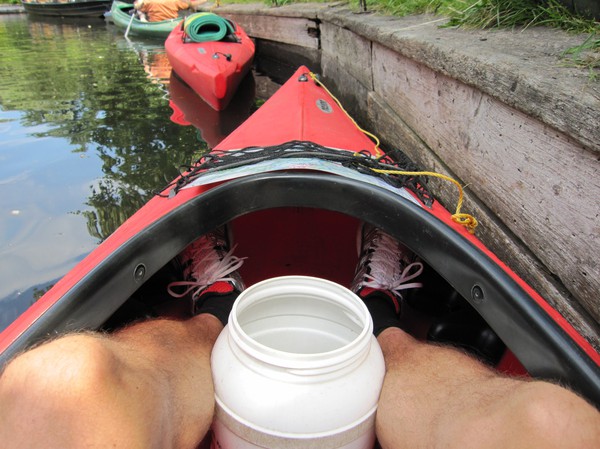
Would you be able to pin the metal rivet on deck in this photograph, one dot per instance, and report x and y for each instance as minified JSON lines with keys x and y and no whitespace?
{"x":139,"y":273}
{"x":477,"y":294}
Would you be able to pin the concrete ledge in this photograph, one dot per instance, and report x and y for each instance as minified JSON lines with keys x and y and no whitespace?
{"x":12,"y":9}
{"x":498,"y":110}
{"x":523,"y":69}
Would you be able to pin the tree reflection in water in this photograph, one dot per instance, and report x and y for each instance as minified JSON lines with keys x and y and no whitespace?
{"x":138,"y":156}
{"x":81,"y":83}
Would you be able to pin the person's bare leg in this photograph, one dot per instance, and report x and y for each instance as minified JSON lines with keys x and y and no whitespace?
{"x":439,"y":397}
{"x":147,"y":386}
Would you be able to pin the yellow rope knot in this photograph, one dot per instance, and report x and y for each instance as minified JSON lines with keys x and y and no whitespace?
{"x":466,"y":220}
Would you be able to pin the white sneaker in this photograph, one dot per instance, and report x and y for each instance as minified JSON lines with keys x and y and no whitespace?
{"x":384,"y":264}
{"x":207,"y":261}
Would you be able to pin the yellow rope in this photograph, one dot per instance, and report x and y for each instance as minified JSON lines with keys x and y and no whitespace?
{"x":373,"y":137}
{"x":466,"y":220}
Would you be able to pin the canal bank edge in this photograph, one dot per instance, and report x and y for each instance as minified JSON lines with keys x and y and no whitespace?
{"x":12,"y":9}
{"x":501,"y":111}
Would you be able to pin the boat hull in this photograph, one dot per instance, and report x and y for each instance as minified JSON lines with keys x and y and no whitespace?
{"x":212,"y":69}
{"x":82,"y":8}
{"x":120,"y":16}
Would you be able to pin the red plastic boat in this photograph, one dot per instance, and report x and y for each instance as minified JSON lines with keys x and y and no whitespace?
{"x":213,"y":69}
{"x":294,"y":183}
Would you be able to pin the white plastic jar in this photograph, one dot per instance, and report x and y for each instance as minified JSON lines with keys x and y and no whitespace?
{"x":297,"y":366}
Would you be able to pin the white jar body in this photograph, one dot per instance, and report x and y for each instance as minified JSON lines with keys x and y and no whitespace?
{"x":297,"y":366}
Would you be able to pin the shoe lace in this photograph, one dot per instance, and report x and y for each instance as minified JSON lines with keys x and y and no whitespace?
{"x":207,"y":268}
{"x":384,"y":263}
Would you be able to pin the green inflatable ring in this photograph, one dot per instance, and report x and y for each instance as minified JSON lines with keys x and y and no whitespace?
{"x":206,"y":27}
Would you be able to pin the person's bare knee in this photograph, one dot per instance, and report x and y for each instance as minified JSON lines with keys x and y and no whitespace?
{"x":137,"y":390}
{"x":556,"y":415}
{"x":524,"y":414}
{"x":61,"y":384}
{"x":433,"y":396}
{"x":67,"y":368}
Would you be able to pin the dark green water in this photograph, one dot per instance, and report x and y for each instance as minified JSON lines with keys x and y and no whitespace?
{"x":90,"y":125}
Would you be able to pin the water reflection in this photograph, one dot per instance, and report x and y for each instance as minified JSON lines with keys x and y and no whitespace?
{"x":86,"y":137}
{"x":152,"y":58}
{"x":213,"y":126}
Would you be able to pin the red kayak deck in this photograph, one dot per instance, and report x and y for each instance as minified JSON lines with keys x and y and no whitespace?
{"x":300,"y":110}
{"x":213,"y":69}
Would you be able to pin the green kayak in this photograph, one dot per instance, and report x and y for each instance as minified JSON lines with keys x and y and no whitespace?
{"x":119,"y":13}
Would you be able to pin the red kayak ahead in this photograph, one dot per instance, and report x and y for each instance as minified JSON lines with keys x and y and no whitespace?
{"x":212,"y":55}
{"x":294,"y":183}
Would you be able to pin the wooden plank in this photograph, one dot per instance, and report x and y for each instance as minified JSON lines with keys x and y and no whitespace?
{"x":348,"y":48}
{"x":289,"y":30}
{"x":348,"y":90}
{"x":542,"y":185}
{"x":396,"y":134}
